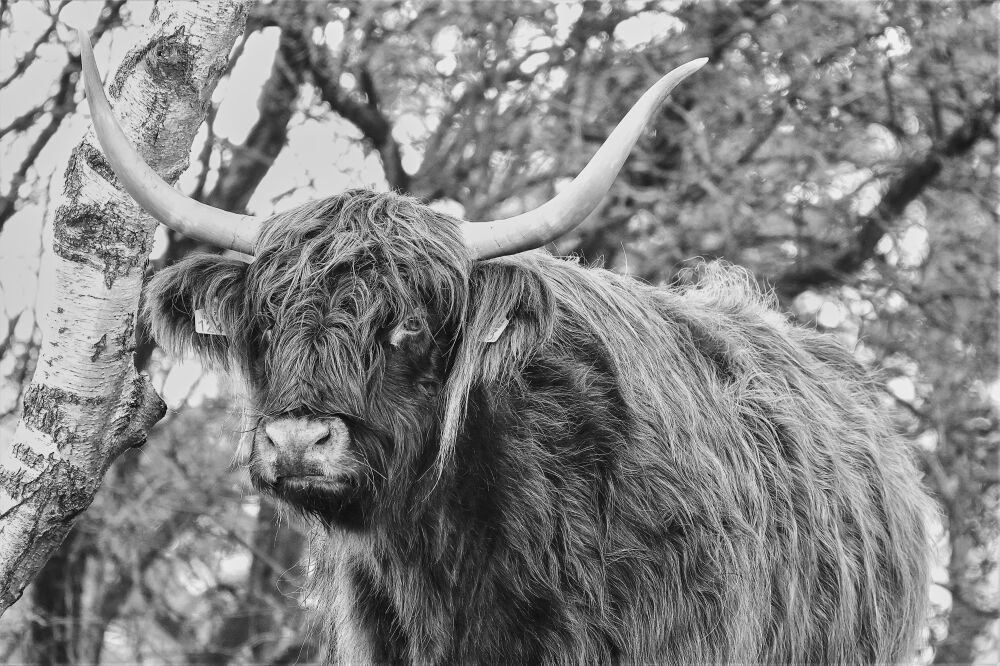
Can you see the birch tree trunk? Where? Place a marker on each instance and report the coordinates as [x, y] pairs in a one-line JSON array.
[[86, 403]]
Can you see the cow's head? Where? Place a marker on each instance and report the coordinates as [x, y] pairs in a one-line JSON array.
[[341, 329], [343, 322]]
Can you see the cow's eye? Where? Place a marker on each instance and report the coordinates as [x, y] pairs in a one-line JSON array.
[[428, 386], [407, 330]]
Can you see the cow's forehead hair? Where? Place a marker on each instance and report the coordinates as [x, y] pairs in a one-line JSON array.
[[327, 274], [354, 244]]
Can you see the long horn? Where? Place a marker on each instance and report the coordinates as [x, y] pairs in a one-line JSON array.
[[159, 199], [570, 207]]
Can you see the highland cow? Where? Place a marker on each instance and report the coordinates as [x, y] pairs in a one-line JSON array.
[[522, 459]]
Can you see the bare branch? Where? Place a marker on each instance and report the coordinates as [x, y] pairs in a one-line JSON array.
[[902, 190], [29, 56], [23, 121], [250, 162], [365, 115], [62, 106], [205, 155]]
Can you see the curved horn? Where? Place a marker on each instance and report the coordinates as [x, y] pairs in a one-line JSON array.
[[571, 206], [189, 217]]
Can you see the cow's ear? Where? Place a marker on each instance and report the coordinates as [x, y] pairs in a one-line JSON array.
[[198, 305]]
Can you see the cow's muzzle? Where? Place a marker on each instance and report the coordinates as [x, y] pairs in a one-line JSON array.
[[299, 448]]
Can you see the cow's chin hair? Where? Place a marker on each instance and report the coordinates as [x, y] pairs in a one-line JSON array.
[[335, 501]]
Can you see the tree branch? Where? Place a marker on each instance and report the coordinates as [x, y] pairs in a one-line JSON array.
[[29, 56], [250, 162], [902, 191], [62, 106], [365, 115]]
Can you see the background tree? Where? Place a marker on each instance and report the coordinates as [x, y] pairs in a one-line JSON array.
[[842, 151]]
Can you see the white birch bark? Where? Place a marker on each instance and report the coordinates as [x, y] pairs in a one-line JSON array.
[[86, 404]]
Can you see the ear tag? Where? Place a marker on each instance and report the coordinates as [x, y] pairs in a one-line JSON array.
[[495, 335], [205, 324]]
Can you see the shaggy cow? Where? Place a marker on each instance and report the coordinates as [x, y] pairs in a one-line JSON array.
[[527, 460]]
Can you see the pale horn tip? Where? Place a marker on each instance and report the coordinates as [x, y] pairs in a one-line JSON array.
[[83, 36], [689, 68], [568, 208]]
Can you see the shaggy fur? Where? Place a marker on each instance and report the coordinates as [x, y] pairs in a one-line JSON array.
[[628, 474]]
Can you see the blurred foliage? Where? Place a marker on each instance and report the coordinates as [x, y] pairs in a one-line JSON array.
[[845, 152]]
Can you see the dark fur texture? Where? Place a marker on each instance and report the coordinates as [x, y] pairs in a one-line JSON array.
[[628, 473]]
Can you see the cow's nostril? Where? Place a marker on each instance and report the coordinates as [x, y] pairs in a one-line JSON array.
[[297, 434]]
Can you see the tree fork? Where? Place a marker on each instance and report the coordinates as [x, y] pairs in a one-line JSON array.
[[86, 403]]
